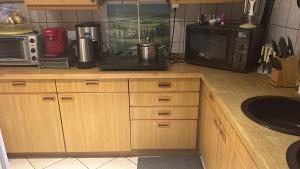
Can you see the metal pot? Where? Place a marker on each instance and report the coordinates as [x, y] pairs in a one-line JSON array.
[[147, 51]]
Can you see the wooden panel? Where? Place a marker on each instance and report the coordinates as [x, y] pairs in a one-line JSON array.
[[163, 134], [27, 86], [61, 2], [207, 94], [31, 123], [203, 1], [235, 139], [164, 85], [92, 85], [164, 113], [209, 135], [164, 99], [95, 122]]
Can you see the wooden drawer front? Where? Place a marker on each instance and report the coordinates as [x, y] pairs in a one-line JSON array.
[[164, 113], [164, 99], [27, 86], [92, 85], [163, 134], [164, 85]]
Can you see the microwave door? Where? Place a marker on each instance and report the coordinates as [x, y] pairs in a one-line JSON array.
[[14, 49]]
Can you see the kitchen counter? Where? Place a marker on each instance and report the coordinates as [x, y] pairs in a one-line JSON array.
[[230, 89]]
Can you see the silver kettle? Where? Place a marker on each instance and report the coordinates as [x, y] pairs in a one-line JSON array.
[[148, 51]]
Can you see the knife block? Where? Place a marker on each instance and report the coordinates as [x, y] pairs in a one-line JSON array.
[[288, 75]]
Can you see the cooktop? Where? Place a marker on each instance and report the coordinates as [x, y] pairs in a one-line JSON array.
[[131, 62]]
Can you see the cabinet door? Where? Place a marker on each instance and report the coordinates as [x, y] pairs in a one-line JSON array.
[[95, 122], [209, 135], [31, 123], [227, 157]]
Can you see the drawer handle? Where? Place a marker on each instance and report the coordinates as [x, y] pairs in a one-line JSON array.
[[48, 98], [164, 84], [216, 123], [19, 83], [164, 125], [222, 133], [211, 97], [164, 99], [66, 98], [164, 113], [92, 83]]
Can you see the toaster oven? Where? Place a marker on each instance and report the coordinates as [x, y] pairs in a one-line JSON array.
[[21, 49]]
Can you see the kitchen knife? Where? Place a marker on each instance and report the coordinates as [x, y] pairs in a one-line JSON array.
[[275, 47], [284, 49], [276, 64], [291, 47]]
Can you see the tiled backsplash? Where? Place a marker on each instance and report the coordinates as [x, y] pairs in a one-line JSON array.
[[285, 21], [186, 14]]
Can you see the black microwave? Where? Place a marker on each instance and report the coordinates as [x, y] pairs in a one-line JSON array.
[[226, 47]]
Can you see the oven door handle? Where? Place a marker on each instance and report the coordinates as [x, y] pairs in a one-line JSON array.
[[11, 38]]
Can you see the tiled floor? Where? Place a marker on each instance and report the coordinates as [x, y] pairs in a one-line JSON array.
[[74, 163]]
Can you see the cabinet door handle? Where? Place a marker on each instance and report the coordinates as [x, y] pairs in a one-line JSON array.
[[222, 133], [211, 97], [164, 84], [92, 83], [18, 83], [216, 123], [164, 99], [48, 98], [164, 113], [67, 98], [164, 125]]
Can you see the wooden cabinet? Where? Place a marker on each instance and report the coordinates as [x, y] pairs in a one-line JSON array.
[[164, 113], [30, 123], [62, 4], [203, 1], [217, 147], [95, 122]]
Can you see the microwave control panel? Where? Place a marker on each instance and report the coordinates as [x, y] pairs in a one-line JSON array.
[[240, 54]]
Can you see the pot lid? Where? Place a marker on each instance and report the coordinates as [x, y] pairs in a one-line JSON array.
[[148, 43]]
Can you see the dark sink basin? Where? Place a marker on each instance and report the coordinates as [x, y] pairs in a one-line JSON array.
[[293, 155], [275, 112]]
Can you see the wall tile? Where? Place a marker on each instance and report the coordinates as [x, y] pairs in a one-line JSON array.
[[179, 28], [271, 30], [292, 33], [274, 16], [39, 26], [237, 12], [53, 16], [192, 12], [180, 13], [22, 8], [104, 32], [208, 9], [69, 16], [69, 26], [294, 16], [283, 12], [279, 32], [175, 47], [84, 16], [38, 16], [55, 24], [100, 15], [224, 9], [5, 4]]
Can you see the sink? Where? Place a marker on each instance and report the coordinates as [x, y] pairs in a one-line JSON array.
[[274, 112], [293, 155]]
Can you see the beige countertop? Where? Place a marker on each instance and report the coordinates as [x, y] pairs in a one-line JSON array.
[[267, 147]]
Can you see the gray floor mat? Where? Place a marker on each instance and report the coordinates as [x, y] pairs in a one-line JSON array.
[[169, 163]]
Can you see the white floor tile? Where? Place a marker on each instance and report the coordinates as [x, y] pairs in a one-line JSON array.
[[119, 163], [40, 163], [133, 159], [68, 163], [93, 163], [19, 164]]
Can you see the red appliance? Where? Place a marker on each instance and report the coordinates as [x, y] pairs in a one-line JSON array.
[[56, 40]]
